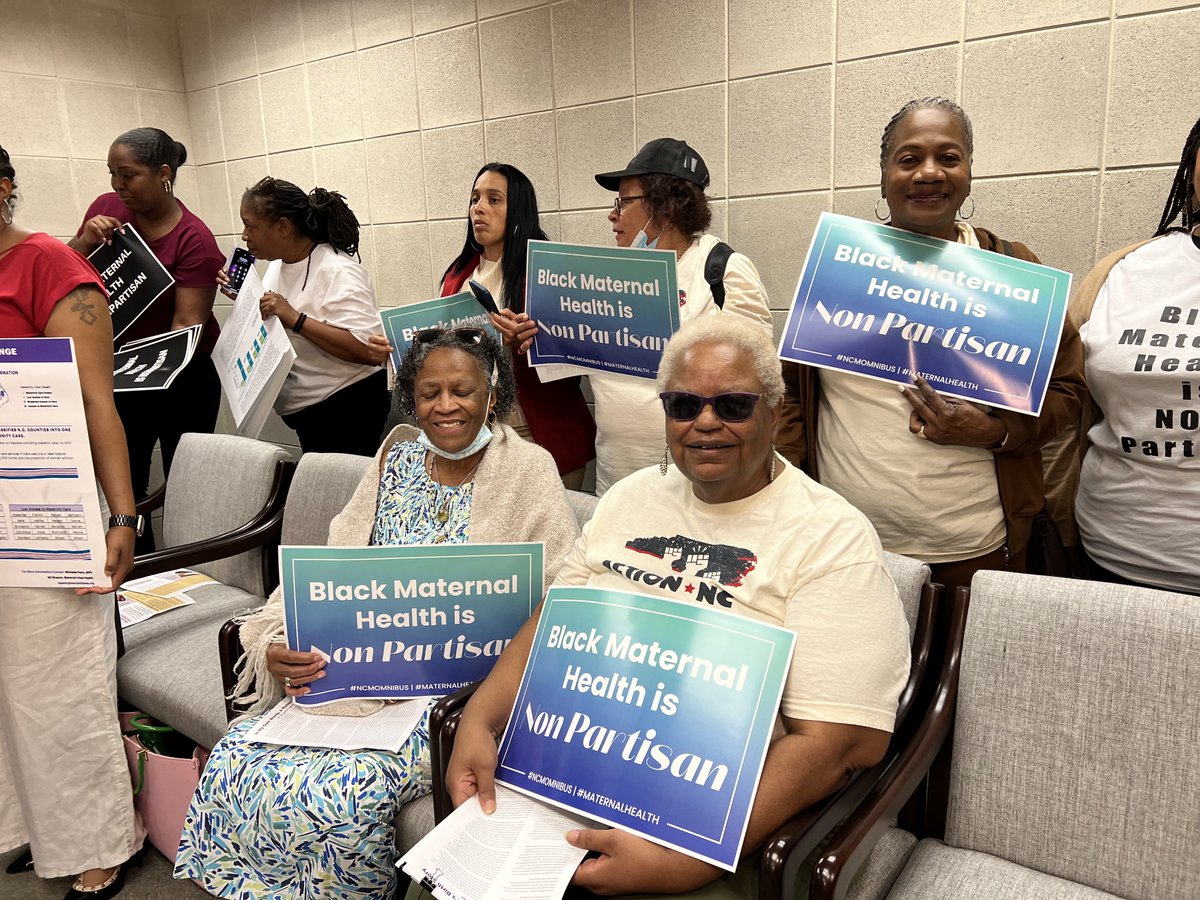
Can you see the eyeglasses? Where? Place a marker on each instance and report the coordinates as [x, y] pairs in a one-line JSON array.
[[734, 406], [620, 203], [467, 336]]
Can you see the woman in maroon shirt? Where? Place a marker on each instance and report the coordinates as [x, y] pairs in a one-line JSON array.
[[143, 164]]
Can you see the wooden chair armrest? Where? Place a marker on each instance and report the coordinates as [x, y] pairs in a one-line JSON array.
[[229, 648], [792, 843], [443, 725], [152, 501], [852, 842]]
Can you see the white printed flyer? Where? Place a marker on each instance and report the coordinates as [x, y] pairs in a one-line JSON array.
[[51, 534]]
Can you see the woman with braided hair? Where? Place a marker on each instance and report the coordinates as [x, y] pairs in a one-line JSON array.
[[143, 164], [1138, 312], [336, 395]]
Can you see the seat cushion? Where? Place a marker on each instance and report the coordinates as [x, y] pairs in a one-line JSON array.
[[938, 872], [414, 822], [176, 678], [883, 866], [213, 601]]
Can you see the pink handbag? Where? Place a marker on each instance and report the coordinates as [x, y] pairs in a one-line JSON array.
[[162, 789]]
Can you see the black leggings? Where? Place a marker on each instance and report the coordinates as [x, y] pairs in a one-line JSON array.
[[347, 421], [191, 403]]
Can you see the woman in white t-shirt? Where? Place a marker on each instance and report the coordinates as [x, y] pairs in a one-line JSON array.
[[1138, 312], [951, 483], [661, 204], [732, 525], [336, 395]]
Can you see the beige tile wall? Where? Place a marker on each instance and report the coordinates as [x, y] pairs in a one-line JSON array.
[[1080, 109]]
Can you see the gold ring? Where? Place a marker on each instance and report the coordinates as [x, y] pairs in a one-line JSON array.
[[921, 433]]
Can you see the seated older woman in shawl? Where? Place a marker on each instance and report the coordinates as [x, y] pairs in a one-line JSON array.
[[299, 821]]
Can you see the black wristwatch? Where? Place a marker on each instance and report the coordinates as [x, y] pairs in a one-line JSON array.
[[137, 523]]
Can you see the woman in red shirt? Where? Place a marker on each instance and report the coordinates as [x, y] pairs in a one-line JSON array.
[[74, 806]]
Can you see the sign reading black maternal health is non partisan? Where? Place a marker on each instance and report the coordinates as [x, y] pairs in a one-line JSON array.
[[889, 304], [414, 621], [648, 714], [459, 310], [132, 275], [609, 309]]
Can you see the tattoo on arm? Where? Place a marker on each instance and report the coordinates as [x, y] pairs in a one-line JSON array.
[[80, 304]]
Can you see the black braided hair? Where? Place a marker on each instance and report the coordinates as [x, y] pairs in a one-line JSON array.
[[1182, 198], [490, 355], [7, 171], [153, 147], [322, 216], [889, 131]]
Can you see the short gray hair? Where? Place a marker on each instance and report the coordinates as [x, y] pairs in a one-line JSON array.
[[731, 330]]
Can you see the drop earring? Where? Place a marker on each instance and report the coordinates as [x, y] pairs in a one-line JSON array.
[[662, 466]]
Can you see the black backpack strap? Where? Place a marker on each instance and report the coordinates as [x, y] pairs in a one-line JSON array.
[[714, 271]]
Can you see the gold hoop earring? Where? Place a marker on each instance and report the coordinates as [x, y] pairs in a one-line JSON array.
[[6, 212], [887, 212]]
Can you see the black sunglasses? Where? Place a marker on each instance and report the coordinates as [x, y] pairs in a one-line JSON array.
[[734, 406], [462, 335]]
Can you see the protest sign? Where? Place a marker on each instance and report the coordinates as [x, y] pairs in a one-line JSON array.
[[253, 357], [153, 364], [132, 275], [459, 310], [886, 303], [649, 714], [608, 309], [51, 534], [415, 621]]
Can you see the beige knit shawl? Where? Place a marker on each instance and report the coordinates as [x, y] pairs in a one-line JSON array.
[[517, 496]]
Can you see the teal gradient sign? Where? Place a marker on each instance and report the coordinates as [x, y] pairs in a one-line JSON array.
[[648, 714], [611, 309], [415, 621], [459, 310], [889, 304]]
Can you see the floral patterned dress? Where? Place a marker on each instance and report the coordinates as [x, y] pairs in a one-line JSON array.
[[304, 822]]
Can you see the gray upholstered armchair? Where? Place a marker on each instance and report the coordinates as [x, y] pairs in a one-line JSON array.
[[1075, 772]]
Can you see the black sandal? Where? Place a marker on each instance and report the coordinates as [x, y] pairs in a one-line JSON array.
[[22, 863]]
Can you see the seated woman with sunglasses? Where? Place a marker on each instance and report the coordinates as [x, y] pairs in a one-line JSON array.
[[814, 566], [279, 821]]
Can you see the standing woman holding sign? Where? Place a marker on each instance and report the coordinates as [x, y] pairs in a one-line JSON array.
[[64, 784], [951, 483], [336, 396], [661, 204], [143, 164], [502, 218]]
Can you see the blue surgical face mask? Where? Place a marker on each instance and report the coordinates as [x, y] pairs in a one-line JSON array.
[[640, 240], [480, 441]]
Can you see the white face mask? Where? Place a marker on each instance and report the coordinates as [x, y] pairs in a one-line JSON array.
[[481, 440], [640, 240]]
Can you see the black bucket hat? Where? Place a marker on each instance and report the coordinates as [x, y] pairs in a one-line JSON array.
[[663, 156]]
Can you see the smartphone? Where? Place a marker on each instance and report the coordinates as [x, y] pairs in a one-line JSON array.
[[484, 296], [239, 264]]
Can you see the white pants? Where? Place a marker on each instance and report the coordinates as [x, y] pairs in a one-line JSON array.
[[64, 782]]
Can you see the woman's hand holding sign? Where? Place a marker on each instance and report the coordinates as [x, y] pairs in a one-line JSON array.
[[516, 328], [947, 420], [295, 668]]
